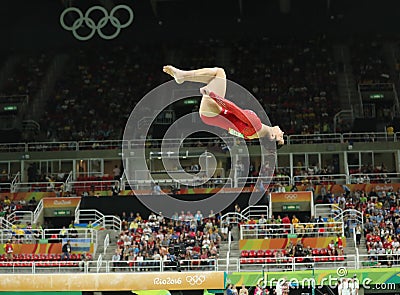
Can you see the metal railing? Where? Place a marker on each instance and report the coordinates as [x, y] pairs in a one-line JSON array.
[[51, 146], [191, 142], [178, 183], [321, 179], [102, 145], [98, 218], [106, 243], [38, 211], [53, 235], [315, 138], [27, 235], [374, 177], [269, 231], [233, 218], [13, 147], [21, 217], [369, 137], [251, 181], [5, 187], [77, 214], [229, 250], [4, 223], [87, 215], [16, 179], [352, 215], [37, 186], [201, 265], [286, 263], [99, 263], [329, 209], [255, 212], [86, 175], [93, 185], [111, 222], [378, 260]]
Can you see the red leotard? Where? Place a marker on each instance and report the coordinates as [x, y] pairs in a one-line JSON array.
[[245, 122]]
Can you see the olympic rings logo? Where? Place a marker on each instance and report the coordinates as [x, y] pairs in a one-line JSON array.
[[195, 280], [291, 196], [90, 23]]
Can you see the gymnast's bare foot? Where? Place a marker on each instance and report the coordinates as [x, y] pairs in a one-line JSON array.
[[177, 74]]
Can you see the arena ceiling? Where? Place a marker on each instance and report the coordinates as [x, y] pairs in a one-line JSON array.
[[25, 23]]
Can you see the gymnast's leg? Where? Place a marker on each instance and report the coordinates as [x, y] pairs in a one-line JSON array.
[[215, 79]]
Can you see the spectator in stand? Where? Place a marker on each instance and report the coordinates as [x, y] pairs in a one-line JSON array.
[[66, 251], [198, 217], [295, 220], [115, 189], [285, 219], [251, 223], [63, 234], [83, 262], [9, 250], [243, 291], [116, 172], [358, 231], [157, 189], [262, 220], [116, 258]]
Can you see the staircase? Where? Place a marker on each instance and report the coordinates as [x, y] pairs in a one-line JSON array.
[[234, 255], [225, 263], [362, 250], [347, 85], [350, 250], [101, 236], [390, 56], [325, 210], [8, 69]]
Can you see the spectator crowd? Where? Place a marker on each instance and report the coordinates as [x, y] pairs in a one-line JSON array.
[[173, 242]]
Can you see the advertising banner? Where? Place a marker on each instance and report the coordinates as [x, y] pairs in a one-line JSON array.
[[291, 201], [113, 281], [367, 187], [27, 196], [51, 248], [257, 244], [61, 202], [79, 245], [293, 197]]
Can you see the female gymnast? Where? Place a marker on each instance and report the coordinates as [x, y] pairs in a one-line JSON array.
[[215, 110]]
